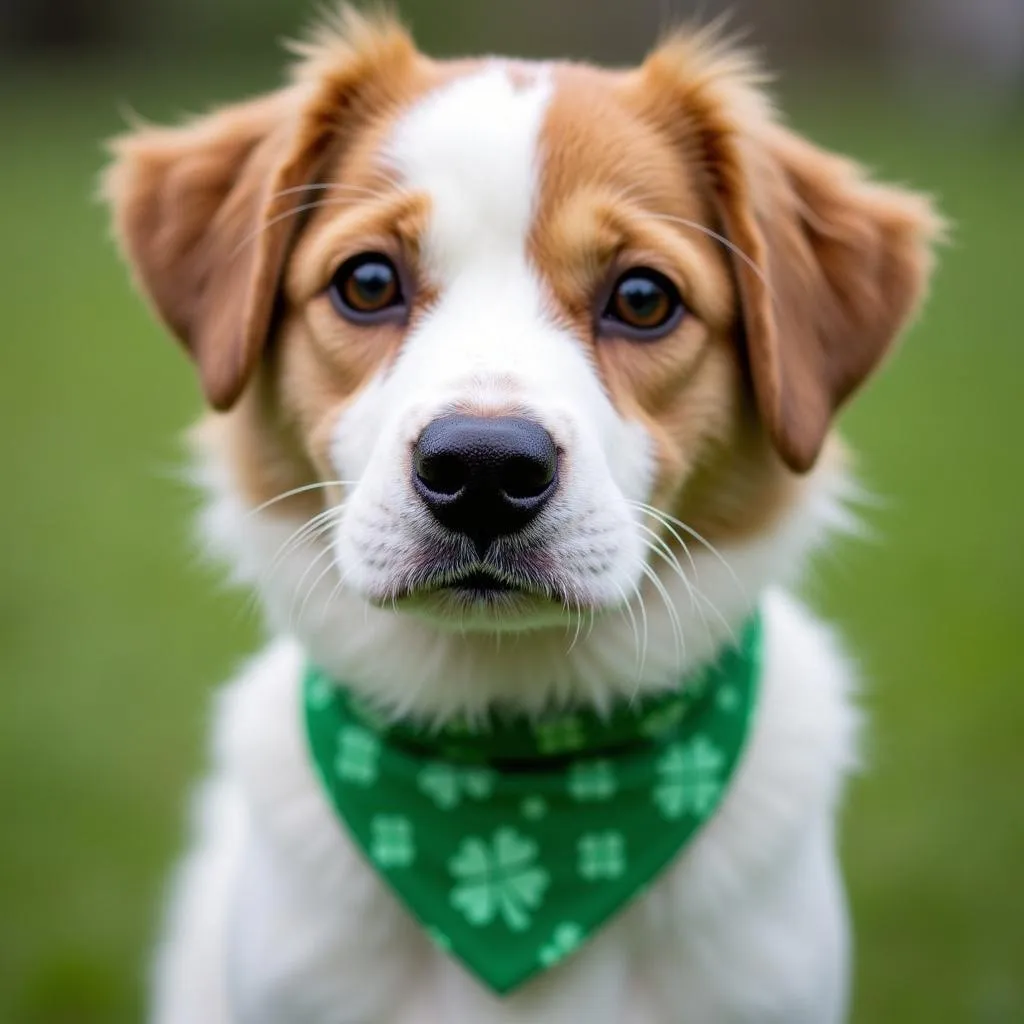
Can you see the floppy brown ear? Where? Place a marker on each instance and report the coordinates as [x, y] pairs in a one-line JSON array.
[[837, 267], [205, 213], [185, 201], [830, 266]]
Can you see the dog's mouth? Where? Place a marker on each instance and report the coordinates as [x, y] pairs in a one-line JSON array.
[[479, 587], [481, 584], [508, 588]]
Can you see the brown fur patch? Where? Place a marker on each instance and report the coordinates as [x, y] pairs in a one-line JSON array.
[[616, 193], [832, 265], [207, 212], [639, 168]]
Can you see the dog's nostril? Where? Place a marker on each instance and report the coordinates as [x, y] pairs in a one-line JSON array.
[[528, 476], [444, 473]]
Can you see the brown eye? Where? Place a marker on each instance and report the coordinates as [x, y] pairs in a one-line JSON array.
[[643, 304], [366, 289]]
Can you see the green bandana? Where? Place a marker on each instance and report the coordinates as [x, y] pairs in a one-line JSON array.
[[513, 843]]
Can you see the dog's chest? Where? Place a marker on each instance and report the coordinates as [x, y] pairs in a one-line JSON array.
[[368, 962], [747, 925]]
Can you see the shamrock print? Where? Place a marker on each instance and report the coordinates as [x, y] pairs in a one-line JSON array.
[[358, 756], [602, 855], [499, 879], [565, 940], [391, 842], [690, 776], [533, 808], [664, 719], [367, 714], [446, 784], [559, 735], [319, 693], [592, 780], [728, 699]]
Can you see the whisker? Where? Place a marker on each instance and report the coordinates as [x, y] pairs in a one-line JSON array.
[[730, 245], [300, 490], [659, 517], [646, 633], [643, 661], [677, 628], [666, 518], [335, 594], [627, 609], [578, 612], [308, 532], [316, 583], [301, 208], [310, 529], [669, 555], [335, 185], [322, 528], [693, 586]]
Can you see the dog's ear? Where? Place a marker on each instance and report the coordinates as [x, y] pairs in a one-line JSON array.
[[830, 266], [193, 210], [205, 213]]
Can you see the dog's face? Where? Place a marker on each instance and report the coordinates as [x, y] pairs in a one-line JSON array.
[[497, 337], [526, 324]]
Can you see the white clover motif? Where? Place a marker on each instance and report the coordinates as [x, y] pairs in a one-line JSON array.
[[565, 939], [358, 756], [691, 778], [392, 843], [602, 855], [559, 735], [447, 784], [592, 780], [500, 879]]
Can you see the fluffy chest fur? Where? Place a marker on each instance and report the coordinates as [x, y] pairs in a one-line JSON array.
[[749, 925], [522, 379]]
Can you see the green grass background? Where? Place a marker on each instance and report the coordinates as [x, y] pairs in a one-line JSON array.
[[112, 637]]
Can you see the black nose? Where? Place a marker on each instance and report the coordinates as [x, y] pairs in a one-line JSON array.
[[485, 477]]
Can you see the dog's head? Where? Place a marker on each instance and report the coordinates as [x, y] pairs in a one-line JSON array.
[[522, 324]]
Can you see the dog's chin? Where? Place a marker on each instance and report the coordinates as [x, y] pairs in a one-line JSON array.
[[479, 600]]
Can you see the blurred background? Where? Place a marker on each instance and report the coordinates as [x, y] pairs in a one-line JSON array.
[[112, 636]]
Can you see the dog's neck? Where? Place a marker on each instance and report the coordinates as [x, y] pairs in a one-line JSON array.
[[409, 665]]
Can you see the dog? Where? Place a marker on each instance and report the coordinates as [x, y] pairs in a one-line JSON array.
[[521, 380]]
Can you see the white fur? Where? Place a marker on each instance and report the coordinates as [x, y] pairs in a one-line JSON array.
[[488, 346], [276, 918]]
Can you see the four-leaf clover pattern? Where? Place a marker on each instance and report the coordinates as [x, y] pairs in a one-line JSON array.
[[366, 713], [533, 808], [545, 858], [592, 780], [559, 735], [691, 778], [565, 939], [663, 720], [358, 756], [446, 784], [602, 855], [500, 879], [320, 692], [392, 844]]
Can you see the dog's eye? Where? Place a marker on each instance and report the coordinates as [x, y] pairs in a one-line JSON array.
[[643, 304], [366, 288]]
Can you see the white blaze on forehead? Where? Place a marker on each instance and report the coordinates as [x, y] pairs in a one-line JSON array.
[[489, 340], [471, 146], [488, 343]]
